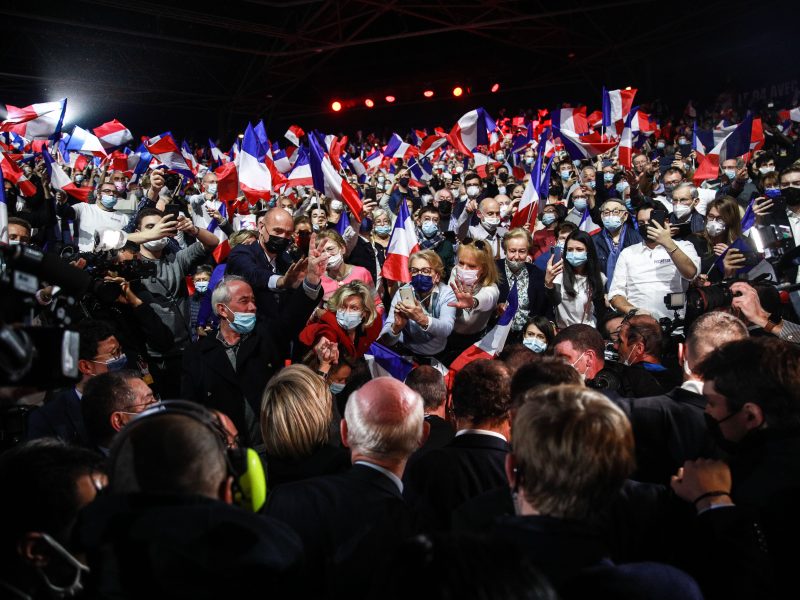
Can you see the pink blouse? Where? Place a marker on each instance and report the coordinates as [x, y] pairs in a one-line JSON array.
[[329, 286]]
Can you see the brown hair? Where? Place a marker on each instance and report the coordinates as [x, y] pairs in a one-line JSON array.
[[728, 209]]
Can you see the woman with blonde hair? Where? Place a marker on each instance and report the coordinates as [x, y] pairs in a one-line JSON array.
[[339, 273], [297, 418]]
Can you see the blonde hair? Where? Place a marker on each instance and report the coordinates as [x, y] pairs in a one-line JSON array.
[[330, 234], [518, 233], [241, 236], [355, 288], [296, 412], [481, 252], [433, 259]]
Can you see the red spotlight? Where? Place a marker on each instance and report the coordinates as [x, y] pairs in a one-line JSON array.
[[428, 93], [457, 91], [390, 99], [336, 106], [495, 88], [369, 103]]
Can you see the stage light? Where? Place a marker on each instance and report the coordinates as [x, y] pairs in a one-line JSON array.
[[390, 99], [457, 91], [369, 103], [428, 93], [495, 88], [336, 106]]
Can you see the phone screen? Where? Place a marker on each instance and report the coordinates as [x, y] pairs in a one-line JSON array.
[[659, 216], [556, 252]]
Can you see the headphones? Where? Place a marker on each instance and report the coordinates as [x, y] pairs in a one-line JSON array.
[[243, 464]]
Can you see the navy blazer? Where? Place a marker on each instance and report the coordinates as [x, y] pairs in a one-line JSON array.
[[250, 261], [60, 418], [603, 250], [537, 300]]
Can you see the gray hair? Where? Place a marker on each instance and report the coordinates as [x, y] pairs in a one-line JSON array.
[[221, 293], [687, 186]]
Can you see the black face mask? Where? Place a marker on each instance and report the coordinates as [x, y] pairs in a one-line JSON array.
[[791, 195], [503, 176], [445, 208], [403, 181], [276, 244], [715, 432]]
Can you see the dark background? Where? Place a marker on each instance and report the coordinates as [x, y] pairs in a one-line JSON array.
[[170, 66]]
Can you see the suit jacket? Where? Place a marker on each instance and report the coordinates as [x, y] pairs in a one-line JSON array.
[[537, 300], [348, 524], [209, 378], [250, 261], [441, 434], [444, 479], [59, 418]]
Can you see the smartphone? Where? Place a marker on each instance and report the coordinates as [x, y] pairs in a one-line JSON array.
[[659, 216], [751, 258], [684, 230], [555, 252], [370, 194], [407, 295], [172, 209], [303, 241], [685, 150]]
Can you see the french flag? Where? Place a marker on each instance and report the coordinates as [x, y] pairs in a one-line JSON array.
[[164, 149], [421, 170], [217, 155], [383, 362], [293, 134], [570, 119], [583, 146], [61, 181], [735, 144], [13, 173], [490, 345], [432, 143], [83, 141], [37, 121], [3, 213], [255, 178], [397, 148], [113, 134], [138, 162], [188, 156], [790, 115], [373, 161], [402, 244], [616, 105], [301, 173], [626, 140], [282, 162], [13, 141], [587, 224], [262, 139], [530, 205], [327, 179], [471, 130], [227, 182]]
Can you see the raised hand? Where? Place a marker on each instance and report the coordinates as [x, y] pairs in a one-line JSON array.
[[553, 269], [464, 298], [294, 274], [317, 260]]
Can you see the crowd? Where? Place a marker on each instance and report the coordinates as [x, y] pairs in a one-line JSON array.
[[600, 399]]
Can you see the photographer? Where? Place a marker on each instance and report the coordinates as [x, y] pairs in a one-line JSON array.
[[168, 288], [790, 194], [747, 303]]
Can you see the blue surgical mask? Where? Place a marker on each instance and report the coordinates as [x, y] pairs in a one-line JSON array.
[[564, 175], [242, 322], [592, 184], [608, 177], [108, 201], [579, 204], [348, 320], [535, 345], [730, 173], [201, 286], [576, 259], [622, 186], [383, 229], [660, 145], [528, 160], [612, 223], [628, 203], [422, 283], [336, 388], [115, 364], [548, 218], [211, 188], [429, 228], [772, 192]]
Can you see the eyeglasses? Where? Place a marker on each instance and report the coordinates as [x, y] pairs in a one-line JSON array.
[[151, 400], [684, 201], [423, 270], [617, 212], [114, 355], [715, 219]]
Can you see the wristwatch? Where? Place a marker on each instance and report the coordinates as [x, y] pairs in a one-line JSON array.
[[773, 321]]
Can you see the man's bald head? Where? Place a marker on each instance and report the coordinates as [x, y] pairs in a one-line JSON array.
[[384, 419], [489, 205], [277, 222]]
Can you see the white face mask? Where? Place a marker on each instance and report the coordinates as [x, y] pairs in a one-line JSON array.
[[473, 191], [337, 205], [156, 245], [467, 276], [503, 211], [715, 228], [335, 261], [211, 188], [491, 221], [583, 375], [681, 210]]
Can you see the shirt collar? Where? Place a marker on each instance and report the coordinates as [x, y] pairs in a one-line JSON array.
[[395, 479], [481, 432], [692, 385]]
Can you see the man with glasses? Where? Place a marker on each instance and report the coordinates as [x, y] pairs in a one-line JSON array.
[[685, 198], [616, 235], [99, 352], [111, 401]]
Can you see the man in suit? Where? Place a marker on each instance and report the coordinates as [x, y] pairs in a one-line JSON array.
[[429, 383], [472, 463], [267, 266], [98, 352], [348, 522], [671, 429], [489, 228], [228, 371]]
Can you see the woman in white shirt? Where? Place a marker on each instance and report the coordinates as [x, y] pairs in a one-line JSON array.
[[474, 282], [575, 285]]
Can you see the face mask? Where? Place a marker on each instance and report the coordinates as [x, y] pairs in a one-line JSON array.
[[592, 184], [211, 188], [668, 188], [383, 230], [772, 192], [765, 170], [387, 187], [548, 219], [660, 145], [108, 201], [622, 186], [528, 160], [156, 245], [13, 242], [403, 181], [515, 265], [78, 178], [503, 176], [348, 320], [473, 191], [445, 208], [714, 430], [681, 210], [682, 141], [459, 170], [120, 185], [467, 276], [337, 205], [335, 261], [535, 345], [715, 228], [504, 211], [612, 223], [628, 203], [608, 177], [491, 222], [500, 156], [576, 259], [564, 175], [276, 244], [381, 179], [115, 364], [336, 388], [579, 204], [627, 361], [422, 283], [315, 227], [729, 173], [201, 286], [791, 195], [583, 375], [429, 228], [242, 322], [501, 189]]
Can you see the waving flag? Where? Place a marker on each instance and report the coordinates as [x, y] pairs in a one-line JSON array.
[[113, 134], [373, 161], [421, 169], [293, 134], [490, 345], [617, 105], [262, 140], [626, 141], [383, 362], [790, 115], [327, 179], [736, 143], [83, 141], [432, 143], [164, 149], [570, 119], [583, 146], [301, 172], [532, 195], [587, 224], [188, 156], [61, 181], [279, 158], [13, 173], [471, 130], [217, 155], [138, 162], [397, 148], [37, 121], [254, 176], [402, 244], [227, 182]]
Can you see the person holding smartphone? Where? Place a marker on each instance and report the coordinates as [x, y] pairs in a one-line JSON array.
[[657, 266]]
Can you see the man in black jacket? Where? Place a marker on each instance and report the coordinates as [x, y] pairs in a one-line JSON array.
[[429, 383]]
